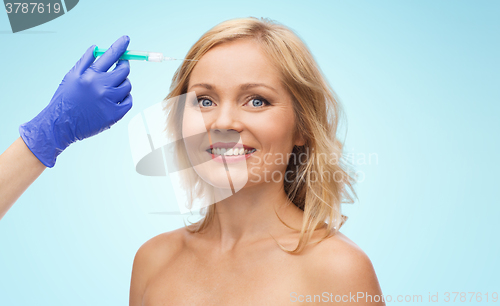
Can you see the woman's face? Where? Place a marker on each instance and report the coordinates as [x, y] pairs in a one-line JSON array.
[[243, 108]]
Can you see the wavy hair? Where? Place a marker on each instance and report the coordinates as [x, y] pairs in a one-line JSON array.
[[318, 185]]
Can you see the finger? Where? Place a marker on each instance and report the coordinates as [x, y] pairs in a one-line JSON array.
[[112, 54], [120, 73], [85, 61], [123, 107], [122, 90]]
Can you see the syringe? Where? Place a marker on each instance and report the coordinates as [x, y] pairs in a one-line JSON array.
[[140, 55]]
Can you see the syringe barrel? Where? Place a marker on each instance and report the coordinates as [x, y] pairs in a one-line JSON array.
[[127, 55]]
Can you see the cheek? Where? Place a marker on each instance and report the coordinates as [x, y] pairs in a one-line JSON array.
[[193, 123], [275, 131]]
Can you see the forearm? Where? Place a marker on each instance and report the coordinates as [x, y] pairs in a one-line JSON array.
[[18, 169]]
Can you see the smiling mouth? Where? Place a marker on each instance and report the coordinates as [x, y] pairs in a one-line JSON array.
[[229, 149], [230, 152]]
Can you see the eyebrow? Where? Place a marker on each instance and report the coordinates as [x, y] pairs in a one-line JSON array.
[[242, 87]]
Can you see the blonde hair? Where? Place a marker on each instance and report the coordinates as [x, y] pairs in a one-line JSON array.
[[317, 113]]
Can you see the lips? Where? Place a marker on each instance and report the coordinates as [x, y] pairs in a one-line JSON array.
[[228, 145]]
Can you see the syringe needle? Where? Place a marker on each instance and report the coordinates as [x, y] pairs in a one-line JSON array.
[[178, 59]]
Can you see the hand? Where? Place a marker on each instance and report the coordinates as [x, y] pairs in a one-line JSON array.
[[88, 101]]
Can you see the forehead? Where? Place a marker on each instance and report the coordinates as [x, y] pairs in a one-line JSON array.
[[234, 63]]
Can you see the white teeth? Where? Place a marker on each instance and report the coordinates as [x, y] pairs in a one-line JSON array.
[[231, 151]]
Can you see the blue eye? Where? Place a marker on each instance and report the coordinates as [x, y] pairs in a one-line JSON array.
[[257, 102], [205, 102]]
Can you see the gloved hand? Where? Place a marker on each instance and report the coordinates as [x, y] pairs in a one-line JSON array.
[[88, 101]]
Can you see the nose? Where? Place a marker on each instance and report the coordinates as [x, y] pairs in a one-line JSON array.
[[225, 124], [225, 119]]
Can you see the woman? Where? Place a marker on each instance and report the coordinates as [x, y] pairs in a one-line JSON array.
[[259, 246]]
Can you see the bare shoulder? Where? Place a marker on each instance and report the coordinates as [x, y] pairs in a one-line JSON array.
[[340, 253], [339, 266], [158, 248], [151, 257]]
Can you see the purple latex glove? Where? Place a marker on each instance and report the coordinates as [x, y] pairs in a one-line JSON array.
[[88, 101]]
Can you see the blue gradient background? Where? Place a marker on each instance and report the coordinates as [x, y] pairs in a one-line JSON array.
[[419, 81]]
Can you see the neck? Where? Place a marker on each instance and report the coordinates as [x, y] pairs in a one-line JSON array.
[[251, 215]]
